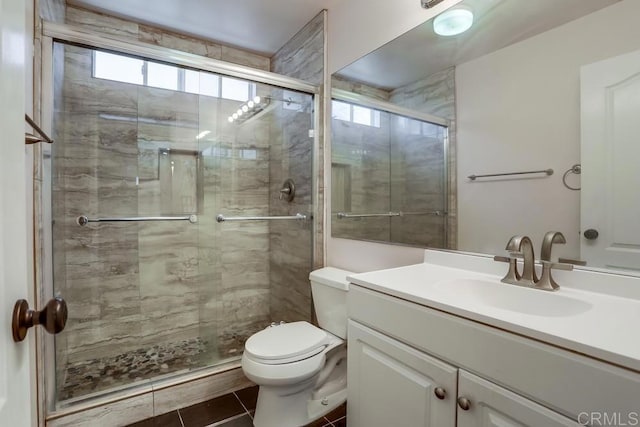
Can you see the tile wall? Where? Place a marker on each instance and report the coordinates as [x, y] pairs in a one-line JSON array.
[[292, 245]]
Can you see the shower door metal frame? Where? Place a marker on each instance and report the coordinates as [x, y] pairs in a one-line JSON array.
[[80, 36], [366, 101], [71, 34]]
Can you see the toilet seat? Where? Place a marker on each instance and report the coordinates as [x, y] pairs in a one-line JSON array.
[[287, 343]]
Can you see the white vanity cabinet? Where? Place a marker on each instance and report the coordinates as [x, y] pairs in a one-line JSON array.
[[392, 384], [401, 352]]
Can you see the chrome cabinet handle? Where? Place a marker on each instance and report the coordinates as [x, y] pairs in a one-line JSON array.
[[440, 393], [53, 317], [464, 403]]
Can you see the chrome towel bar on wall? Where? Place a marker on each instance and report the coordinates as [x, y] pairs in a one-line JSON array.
[[548, 172]]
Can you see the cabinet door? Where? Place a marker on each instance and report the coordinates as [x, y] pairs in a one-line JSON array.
[[392, 384], [494, 406]]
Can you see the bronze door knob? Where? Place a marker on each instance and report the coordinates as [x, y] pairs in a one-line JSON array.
[[53, 317]]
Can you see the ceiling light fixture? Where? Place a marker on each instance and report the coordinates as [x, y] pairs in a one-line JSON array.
[[249, 109], [453, 22]]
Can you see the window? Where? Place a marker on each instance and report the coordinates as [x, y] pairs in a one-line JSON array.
[[118, 67], [355, 113], [341, 111], [162, 76], [126, 69], [238, 90]]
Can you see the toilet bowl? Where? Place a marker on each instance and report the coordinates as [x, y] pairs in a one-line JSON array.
[[300, 368]]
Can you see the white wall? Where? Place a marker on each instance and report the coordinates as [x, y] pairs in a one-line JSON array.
[[357, 27], [519, 109]]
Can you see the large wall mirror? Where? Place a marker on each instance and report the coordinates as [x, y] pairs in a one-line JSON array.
[[527, 122]]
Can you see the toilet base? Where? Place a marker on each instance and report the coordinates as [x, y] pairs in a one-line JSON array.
[[279, 407]]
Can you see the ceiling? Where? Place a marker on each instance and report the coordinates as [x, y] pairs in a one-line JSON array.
[[498, 23], [261, 26]]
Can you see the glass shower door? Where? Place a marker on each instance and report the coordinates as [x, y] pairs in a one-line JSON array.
[[159, 287]]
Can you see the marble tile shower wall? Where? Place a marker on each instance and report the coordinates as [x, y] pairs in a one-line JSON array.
[[291, 256], [110, 25], [132, 286], [435, 95], [338, 82], [291, 242]]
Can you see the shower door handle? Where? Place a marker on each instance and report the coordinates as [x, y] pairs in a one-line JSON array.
[[53, 317]]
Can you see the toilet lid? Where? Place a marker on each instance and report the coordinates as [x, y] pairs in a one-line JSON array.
[[287, 341]]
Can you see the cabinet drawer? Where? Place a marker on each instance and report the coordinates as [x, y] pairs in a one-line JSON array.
[[566, 382]]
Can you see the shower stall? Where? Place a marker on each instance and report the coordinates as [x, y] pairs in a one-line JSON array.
[[180, 205]]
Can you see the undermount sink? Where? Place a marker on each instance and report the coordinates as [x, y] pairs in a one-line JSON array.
[[513, 298]]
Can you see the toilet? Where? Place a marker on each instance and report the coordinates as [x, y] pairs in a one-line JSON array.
[[300, 368]]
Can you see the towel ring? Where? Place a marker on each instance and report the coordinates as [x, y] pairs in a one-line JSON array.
[[576, 169]]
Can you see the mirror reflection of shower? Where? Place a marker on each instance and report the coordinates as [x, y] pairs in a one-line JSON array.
[[389, 173]]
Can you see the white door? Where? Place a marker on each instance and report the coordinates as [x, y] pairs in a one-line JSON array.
[[392, 384], [610, 201], [492, 406], [15, 383]]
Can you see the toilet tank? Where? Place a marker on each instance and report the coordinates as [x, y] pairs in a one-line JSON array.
[[329, 288]]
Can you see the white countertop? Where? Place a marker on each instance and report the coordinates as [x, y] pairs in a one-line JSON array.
[[597, 324]]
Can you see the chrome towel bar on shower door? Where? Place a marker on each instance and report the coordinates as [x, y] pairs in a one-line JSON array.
[[342, 215], [84, 220], [222, 218]]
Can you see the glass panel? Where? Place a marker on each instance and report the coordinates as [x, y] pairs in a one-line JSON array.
[[235, 89], [418, 183], [118, 67], [151, 299], [381, 163], [162, 76], [341, 110], [191, 81], [361, 115], [361, 185], [209, 84]]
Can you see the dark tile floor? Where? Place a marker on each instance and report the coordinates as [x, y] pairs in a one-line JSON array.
[[231, 410]]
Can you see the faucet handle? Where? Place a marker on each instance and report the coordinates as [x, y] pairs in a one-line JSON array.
[[546, 282], [557, 265], [513, 275]]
